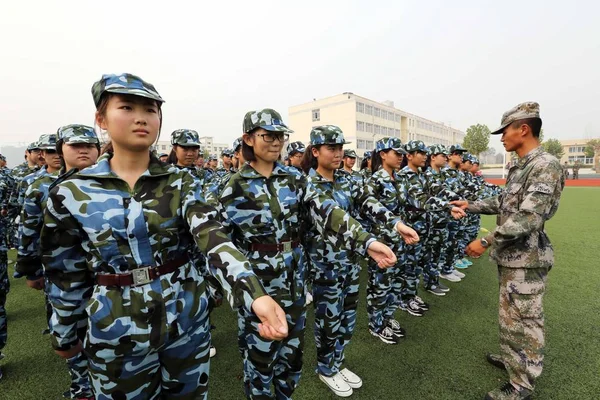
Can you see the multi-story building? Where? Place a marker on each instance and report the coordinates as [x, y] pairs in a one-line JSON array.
[[574, 152], [206, 144], [364, 121]]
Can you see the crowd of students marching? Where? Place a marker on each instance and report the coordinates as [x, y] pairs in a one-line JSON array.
[[133, 249]]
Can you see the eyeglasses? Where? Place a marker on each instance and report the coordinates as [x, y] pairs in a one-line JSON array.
[[271, 136]]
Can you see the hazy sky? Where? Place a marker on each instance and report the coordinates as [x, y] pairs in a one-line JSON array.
[[457, 62]]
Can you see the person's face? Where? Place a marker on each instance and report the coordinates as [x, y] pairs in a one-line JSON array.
[[2, 163], [186, 155], [474, 168], [52, 159], [391, 159], [163, 158], [466, 166], [439, 160], [369, 163], [33, 157], [512, 138], [235, 162], [456, 158], [349, 162], [212, 164], [200, 162], [79, 155], [296, 159], [417, 159], [329, 156], [226, 161], [266, 145], [132, 122]]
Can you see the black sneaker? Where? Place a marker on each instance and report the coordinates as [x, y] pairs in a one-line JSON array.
[[442, 287], [508, 392], [46, 331], [435, 290], [495, 360], [422, 305], [396, 328], [386, 335], [412, 307]]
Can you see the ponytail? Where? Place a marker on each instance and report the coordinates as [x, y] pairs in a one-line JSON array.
[[309, 160], [172, 159]]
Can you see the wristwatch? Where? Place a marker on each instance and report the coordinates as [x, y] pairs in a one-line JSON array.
[[485, 243]]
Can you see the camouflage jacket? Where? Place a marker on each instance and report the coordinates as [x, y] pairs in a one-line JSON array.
[[221, 172], [437, 187], [256, 209], [19, 173], [7, 183], [95, 223], [392, 194], [356, 200], [366, 174], [29, 262], [356, 176], [531, 198]]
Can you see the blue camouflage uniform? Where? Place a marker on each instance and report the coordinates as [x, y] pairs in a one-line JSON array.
[[5, 187], [263, 216]]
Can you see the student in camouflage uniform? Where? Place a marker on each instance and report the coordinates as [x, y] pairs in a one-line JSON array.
[[336, 281], [115, 247], [261, 207], [6, 228], [521, 249], [472, 192], [365, 166], [419, 202], [5, 188], [227, 167], [348, 165], [76, 146], [295, 152], [237, 152]]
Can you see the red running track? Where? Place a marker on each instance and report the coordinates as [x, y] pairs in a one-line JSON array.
[[570, 182]]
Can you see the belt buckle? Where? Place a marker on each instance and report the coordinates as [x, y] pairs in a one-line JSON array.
[[141, 276], [287, 247]]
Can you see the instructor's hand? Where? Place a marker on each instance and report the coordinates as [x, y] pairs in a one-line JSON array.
[[273, 324], [382, 254], [37, 284], [72, 352], [460, 204], [475, 249]]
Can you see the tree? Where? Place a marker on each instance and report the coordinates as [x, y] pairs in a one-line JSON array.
[[477, 139], [554, 147], [592, 149]]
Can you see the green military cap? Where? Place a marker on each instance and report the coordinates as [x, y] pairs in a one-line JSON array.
[[416, 145], [267, 119], [529, 109], [327, 134], [350, 153], [33, 146], [47, 142], [185, 138], [124, 84], [76, 133], [387, 143]]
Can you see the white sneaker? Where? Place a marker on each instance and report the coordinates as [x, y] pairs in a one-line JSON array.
[[212, 352], [337, 384], [450, 277], [351, 378], [458, 273], [309, 298]]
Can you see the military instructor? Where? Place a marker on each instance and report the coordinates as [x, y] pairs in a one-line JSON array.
[[521, 248]]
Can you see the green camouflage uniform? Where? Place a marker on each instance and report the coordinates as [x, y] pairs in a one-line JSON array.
[[523, 252]]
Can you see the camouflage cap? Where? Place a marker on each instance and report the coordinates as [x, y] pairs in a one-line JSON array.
[[47, 142], [475, 160], [212, 157], [295, 147], [367, 154], [350, 153], [2, 157], [529, 109], [387, 143], [237, 144], [467, 157], [267, 119], [416, 145], [33, 146], [185, 138], [327, 134], [124, 84], [163, 155], [436, 149], [76, 133], [227, 152], [457, 148]]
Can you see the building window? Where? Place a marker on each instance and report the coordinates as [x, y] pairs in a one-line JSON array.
[[377, 112], [576, 149], [360, 144], [397, 132], [368, 109], [377, 130], [384, 131], [369, 127], [360, 126], [383, 114], [360, 107], [397, 117], [391, 116], [369, 144], [316, 115]]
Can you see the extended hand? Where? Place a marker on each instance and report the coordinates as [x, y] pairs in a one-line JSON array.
[[72, 352], [37, 284], [460, 204], [409, 235], [382, 254], [458, 213], [475, 249], [273, 324]]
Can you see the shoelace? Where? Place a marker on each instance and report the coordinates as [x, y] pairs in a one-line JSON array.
[[508, 388], [394, 324]]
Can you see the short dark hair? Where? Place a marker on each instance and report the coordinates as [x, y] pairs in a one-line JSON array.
[[535, 124], [248, 151]]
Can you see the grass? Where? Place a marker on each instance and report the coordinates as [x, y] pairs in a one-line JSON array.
[[442, 357]]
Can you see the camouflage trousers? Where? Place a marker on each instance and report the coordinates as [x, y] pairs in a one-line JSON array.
[[150, 341], [521, 318], [79, 373], [462, 238], [4, 289], [269, 362], [433, 257], [414, 261], [335, 297], [384, 290], [472, 228], [448, 250]]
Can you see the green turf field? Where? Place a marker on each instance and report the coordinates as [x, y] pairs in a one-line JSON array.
[[442, 357]]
